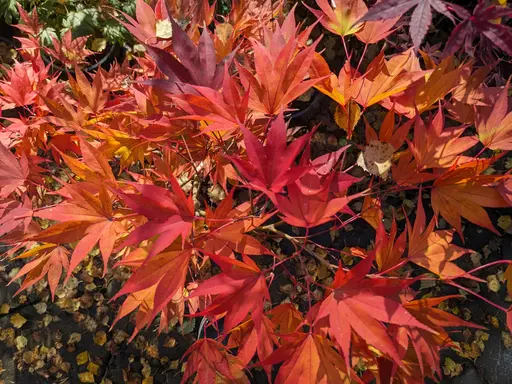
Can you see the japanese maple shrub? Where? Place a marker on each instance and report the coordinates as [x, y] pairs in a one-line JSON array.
[[183, 166]]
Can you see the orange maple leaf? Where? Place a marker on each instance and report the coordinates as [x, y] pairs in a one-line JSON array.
[[223, 111], [87, 218], [286, 318], [463, 191], [431, 249], [405, 173], [427, 345], [389, 248], [308, 211], [423, 94], [434, 146], [280, 71], [227, 229], [49, 259], [494, 124], [91, 97], [213, 364], [94, 168], [374, 31], [385, 78], [309, 358]]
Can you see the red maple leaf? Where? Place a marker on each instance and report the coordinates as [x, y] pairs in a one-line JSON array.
[[194, 65], [389, 249], [314, 181], [13, 173], [164, 274], [250, 339], [224, 110], [421, 17], [269, 167], [240, 288], [15, 218], [359, 304], [481, 22], [69, 51], [169, 214], [146, 26], [31, 23], [228, 227], [311, 210]]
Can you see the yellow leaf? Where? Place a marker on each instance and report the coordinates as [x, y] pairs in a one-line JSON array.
[[82, 358], [86, 377], [99, 44], [493, 283], [451, 368], [17, 320], [346, 117], [21, 342], [100, 338], [4, 309], [504, 222], [93, 368]]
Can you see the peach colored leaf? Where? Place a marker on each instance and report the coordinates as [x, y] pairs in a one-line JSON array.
[[431, 249], [463, 191], [341, 17], [494, 124], [309, 358]]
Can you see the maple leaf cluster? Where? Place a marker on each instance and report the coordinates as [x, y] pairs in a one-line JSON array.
[[185, 157]]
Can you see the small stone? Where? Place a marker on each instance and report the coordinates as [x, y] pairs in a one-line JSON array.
[[41, 308]]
